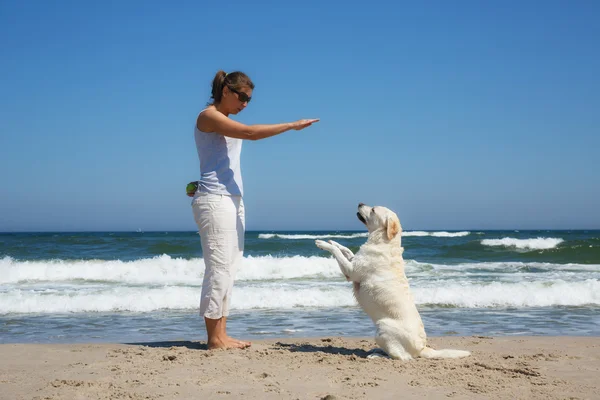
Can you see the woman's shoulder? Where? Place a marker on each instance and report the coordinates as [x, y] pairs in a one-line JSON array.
[[204, 118], [207, 111]]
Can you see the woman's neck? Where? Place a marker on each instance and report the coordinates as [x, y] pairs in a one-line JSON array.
[[220, 109]]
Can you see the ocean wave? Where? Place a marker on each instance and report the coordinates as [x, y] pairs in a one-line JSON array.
[[161, 270], [521, 294], [306, 236], [165, 270], [504, 266], [436, 234], [136, 299], [539, 243], [357, 235], [167, 298]]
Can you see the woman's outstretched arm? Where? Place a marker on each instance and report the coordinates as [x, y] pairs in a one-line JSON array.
[[214, 121]]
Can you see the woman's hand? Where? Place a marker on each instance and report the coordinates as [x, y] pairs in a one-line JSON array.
[[303, 123]]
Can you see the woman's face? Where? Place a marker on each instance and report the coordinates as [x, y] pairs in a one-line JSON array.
[[236, 100]]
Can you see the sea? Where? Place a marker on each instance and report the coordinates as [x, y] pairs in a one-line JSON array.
[[136, 287]]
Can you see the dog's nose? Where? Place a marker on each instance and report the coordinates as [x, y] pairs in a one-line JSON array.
[[361, 204]]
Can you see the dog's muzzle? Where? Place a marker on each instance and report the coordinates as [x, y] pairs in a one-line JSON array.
[[360, 217]]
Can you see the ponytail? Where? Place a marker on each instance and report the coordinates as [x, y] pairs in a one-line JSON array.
[[217, 86]]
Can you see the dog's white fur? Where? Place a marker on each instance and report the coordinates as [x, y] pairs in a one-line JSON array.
[[381, 287]]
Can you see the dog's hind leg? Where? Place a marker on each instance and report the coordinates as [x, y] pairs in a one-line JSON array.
[[389, 338], [377, 353]]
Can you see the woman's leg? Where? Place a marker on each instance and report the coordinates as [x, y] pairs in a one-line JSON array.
[[237, 256], [217, 219]]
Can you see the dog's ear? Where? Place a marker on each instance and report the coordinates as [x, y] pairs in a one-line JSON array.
[[393, 227]]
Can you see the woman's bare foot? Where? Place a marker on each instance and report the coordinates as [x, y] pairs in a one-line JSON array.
[[216, 330], [245, 344], [227, 343]]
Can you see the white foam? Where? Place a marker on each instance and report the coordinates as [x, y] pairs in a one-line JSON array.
[[539, 243], [506, 266], [164, 270], [357, 235], [268, 267], [436, 234], [107, 300], [168, 298], [522, 294], [305, 236], [161, 270], [288, 297]]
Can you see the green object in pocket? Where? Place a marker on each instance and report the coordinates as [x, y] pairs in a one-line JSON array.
[[191, 189]]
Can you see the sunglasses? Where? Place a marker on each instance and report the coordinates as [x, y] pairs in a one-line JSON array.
[[243, 97]]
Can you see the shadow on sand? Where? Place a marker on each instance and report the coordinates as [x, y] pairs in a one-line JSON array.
[[292, 347], [329, 349], [173, 343]]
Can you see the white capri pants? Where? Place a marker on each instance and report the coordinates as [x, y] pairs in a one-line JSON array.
[[221, 223]]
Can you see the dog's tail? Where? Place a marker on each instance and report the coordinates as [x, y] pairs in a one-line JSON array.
[[428, 352]]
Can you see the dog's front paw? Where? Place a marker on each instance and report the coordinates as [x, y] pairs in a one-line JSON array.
[[323, 245]]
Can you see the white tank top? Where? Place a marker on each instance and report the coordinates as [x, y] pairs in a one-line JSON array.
[[219, 155]]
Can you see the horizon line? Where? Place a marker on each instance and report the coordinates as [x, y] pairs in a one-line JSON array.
[[309, 230]]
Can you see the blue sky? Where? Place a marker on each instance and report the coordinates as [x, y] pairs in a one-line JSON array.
[[457, 115]]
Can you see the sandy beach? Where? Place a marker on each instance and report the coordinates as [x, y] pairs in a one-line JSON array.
[[316, 368]]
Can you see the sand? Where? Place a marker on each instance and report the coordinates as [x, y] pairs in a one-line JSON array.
[[316, 368]]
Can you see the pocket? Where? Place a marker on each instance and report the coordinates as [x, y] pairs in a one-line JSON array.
[[208, 201], [204, 206]]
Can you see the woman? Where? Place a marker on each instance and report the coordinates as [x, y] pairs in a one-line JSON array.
[[217, 205]]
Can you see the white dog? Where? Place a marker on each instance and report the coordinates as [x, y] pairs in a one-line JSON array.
[[381, 287]]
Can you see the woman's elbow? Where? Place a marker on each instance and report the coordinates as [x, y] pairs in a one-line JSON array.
[[250, 133]]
